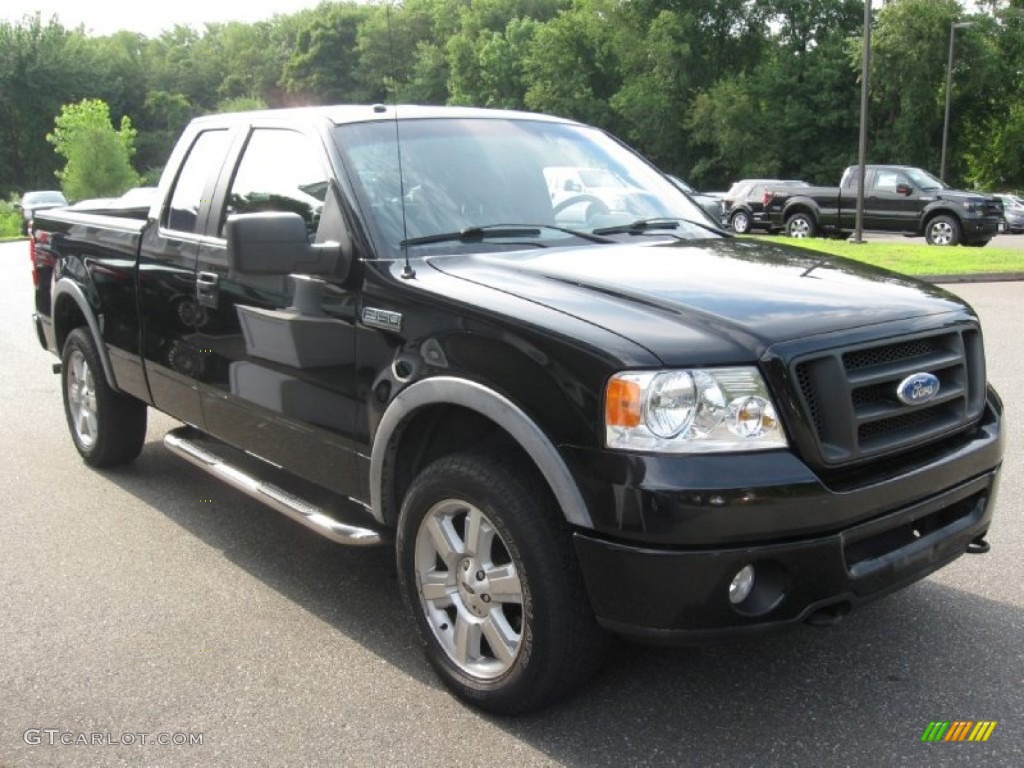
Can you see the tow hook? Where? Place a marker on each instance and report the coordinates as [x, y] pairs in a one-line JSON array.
[[979, 546]]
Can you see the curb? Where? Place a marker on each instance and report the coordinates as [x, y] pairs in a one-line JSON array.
[[973, 277]]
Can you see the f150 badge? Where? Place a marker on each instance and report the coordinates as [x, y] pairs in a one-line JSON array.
[[382, 318], [918, 389]]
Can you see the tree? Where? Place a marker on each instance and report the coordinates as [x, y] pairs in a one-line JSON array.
[[323, 68], [909, 51], [98, 157], [730, 119], [571, 67], [41, 67]]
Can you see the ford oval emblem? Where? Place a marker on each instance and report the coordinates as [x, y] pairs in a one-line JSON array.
[[918, 389]]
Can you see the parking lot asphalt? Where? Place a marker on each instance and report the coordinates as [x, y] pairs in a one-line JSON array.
[[155, 600]]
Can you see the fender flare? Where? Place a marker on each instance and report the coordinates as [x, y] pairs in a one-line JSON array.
[[494, 406], [940, 209], [67, 286]]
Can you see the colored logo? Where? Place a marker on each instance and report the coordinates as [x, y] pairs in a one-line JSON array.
[[959, 730], [918, 388]]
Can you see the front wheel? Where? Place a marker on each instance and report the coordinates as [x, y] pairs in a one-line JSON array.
[[740, 222], [488, 569], [942, 230], [801, 225], [108, 428]]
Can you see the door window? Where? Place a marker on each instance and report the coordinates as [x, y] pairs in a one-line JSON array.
[[886, 181], [280, 170], [207, 152]]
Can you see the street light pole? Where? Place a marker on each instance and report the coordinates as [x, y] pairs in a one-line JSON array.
[[862, 149], [949, 90]]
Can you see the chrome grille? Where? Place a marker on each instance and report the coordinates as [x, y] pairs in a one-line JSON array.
[[849, 395]]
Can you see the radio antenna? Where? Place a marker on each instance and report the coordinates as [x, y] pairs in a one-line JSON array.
[[407, 271]]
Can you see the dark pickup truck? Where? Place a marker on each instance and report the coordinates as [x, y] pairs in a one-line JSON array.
[[897, 198], [601, 415]]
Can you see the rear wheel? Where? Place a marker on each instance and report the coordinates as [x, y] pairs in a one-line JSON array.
[[108, 428], [801, 225], [942, 230], [487, 566]]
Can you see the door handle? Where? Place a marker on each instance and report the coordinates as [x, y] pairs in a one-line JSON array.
[[207, 289]]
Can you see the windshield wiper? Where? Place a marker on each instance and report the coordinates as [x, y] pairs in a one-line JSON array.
[[594, 237], [642, 226], [470, 234], [473, 234], [638, 227]]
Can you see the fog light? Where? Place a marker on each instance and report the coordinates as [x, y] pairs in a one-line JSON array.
[[741, 585]]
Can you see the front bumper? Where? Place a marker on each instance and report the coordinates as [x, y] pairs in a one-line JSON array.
[[980, 228], [681, 596], [662, 571]]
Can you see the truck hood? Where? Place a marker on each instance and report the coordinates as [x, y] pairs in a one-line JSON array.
[[704, 302], [959, 196]]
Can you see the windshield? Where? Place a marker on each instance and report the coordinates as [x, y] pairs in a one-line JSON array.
[[924, 180], [473, 173]]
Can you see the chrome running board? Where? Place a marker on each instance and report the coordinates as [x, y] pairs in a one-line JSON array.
[[210, 455]]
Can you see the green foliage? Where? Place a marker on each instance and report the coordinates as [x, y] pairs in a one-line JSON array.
[[98, 158], [909, 51], [241, 104], [730, 117], [324, 67], [41, 67], [712, 90], [572, 65], [10, 219], [917, 258], [996, 159]]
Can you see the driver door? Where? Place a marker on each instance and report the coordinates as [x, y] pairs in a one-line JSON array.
[[278, 374]]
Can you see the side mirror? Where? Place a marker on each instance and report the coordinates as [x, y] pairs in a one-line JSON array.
[[904, 189], [277, 243]]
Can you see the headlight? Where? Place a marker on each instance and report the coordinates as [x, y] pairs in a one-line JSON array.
[[691, 411]]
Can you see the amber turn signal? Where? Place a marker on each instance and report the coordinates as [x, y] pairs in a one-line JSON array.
[[622, 403]]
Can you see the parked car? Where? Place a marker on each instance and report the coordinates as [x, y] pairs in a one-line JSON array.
[[743, 206], [897, 198], [711, 202], [1013, 212], [38, 201]]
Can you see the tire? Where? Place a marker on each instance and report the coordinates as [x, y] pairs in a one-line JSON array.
[[740, 222], [801, 225], [488, 570], [108, 428], [942, 230]]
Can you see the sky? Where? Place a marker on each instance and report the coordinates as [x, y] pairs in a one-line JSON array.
[[104, 17]]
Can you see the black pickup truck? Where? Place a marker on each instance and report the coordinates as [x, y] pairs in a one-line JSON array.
[[897, 198], [601, 415]]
